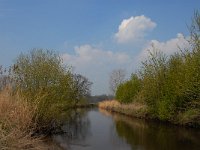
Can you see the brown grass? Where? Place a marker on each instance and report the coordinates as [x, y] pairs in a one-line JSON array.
[[16, 124], [134, 109]]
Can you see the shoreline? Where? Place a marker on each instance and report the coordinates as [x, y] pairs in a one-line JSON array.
[[141, 112]]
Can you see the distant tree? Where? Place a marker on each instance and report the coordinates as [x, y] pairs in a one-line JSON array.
[[99, 98], [80, 88], [5, 77], [116, 78]]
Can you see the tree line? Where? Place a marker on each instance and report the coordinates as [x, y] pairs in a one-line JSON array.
[[168, 85]]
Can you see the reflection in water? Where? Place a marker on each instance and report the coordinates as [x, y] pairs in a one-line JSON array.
[[149, 135], [96, 130], [76, 127]]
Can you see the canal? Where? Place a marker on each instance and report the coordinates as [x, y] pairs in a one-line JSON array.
[[94, 129]]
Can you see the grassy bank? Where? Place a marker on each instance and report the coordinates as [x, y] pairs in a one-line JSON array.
[[140, 110]]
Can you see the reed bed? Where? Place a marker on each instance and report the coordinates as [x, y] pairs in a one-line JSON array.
[[16, 124], [134, 109]]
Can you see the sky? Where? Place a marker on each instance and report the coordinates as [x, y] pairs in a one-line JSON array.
[[95, 36]]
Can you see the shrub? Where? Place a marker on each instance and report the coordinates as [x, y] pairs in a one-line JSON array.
[[127, 91], [42, 80]]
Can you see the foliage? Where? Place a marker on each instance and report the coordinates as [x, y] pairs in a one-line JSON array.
[[128, 90]]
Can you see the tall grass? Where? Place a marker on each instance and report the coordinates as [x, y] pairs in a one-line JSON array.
[[17, 124]]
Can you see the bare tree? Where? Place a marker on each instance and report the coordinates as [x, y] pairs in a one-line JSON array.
[[116, 78], [80, 87], [5, 77]]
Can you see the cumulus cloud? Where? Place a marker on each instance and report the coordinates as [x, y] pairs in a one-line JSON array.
[[134, 29], [96, 64], [168, 47]]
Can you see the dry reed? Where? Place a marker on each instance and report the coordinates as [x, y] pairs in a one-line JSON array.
[[16, 124], [134, 109]]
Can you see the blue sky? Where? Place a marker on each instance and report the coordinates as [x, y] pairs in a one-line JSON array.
[[87, 33]]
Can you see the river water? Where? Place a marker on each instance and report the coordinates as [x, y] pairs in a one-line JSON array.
[[93, 129]]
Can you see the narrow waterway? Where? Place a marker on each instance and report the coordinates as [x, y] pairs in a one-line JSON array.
[[93, 129]]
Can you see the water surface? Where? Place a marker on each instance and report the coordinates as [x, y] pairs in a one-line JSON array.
[[95, 129]]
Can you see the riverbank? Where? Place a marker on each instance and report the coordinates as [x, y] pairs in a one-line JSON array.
[[19, 129], [139, 110], [40, 88]]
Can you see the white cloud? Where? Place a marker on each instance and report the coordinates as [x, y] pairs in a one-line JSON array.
[[168, 47], [96, 64], [134, 29], [87, 55]]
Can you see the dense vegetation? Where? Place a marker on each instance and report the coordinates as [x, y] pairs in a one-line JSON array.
[[34, 93], [48, 85], [169, 85]]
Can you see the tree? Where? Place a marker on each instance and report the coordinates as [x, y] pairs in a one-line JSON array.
[[195, 32], [127, 91], [116, 78], [47, 85], [42, 79], [80, 87], [5, 78]]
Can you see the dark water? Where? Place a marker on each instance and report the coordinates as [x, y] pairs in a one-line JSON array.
[[100, 130]]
